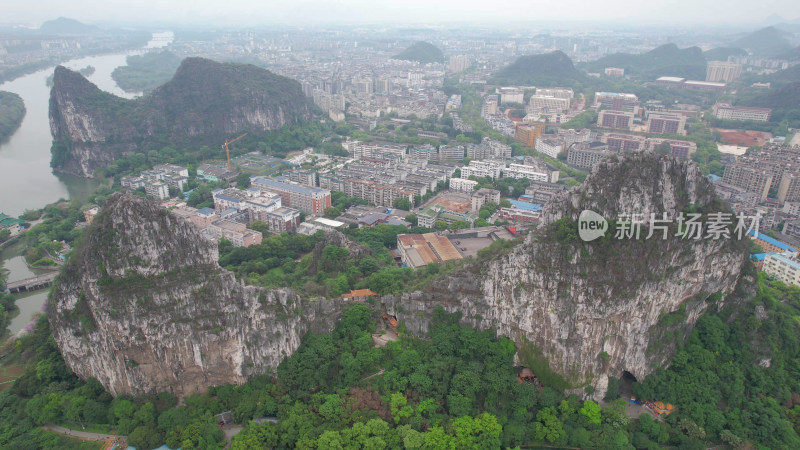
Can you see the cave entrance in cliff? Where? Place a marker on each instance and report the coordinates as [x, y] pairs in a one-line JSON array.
[[626, 384]]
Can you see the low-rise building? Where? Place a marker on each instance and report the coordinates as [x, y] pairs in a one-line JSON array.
[[665, 123], [216, 173], [542, 192], [451, 153], [511, 95], [585, 155], [482, 169], [173, 169], [571, 136], [725, 110], [307, 199], [547, 103], [428, 216], [282, 219], [462, 184], [522, 212], [10, 223], [319, 224], [237, 233], [157, 189], [624, 142], [419, 250], [518, 171], [620, 120], [617, 101], [784, 267], [679, 148], [768, 244], [550, 147], [483, 196]]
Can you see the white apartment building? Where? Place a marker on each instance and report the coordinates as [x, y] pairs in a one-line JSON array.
[[157, 189], [723, 110], [481, 169], [462, 184], [511, 95], [550, 147], [532, 173], [498, 149], [556, 92], [784, 267], [546, 102]]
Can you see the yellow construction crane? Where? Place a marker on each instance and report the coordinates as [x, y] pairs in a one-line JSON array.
[[228, 151]]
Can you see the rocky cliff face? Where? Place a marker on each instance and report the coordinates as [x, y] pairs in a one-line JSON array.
[[144, 307], [205, 101], [598, 309]]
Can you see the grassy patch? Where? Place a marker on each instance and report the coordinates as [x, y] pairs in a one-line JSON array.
[[531, 356]]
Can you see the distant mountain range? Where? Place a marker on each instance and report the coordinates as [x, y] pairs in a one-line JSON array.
[[666, 60], [422, 52], [769, 41], [65, 26], [722, 53], [554, 68]]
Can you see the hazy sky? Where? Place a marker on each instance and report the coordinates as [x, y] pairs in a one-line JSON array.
[[298, 12]]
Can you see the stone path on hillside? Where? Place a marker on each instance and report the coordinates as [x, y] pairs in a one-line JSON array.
[[81, 434]]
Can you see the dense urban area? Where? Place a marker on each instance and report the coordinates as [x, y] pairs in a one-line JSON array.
[[372, 237]]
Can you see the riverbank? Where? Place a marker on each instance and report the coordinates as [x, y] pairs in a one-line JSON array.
[[12, 111], [22, 70], [28, 304], [26, 178]]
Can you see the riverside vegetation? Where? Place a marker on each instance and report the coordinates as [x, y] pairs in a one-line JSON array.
[[12, 111]]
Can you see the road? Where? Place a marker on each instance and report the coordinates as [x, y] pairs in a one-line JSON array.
[[231, 431], [81, 434]]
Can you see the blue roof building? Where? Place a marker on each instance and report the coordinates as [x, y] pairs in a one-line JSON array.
[[770, 241], [525, 205]]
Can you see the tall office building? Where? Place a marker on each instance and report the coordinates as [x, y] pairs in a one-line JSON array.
[[458, 63], [723, 71]]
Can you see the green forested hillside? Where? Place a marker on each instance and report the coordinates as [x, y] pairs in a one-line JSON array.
[[768, 41], [722, 53], [146, 72], [12, 111], [549, 69], [422, 52], [666, 60]]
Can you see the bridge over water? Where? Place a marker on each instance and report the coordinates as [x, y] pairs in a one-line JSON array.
[[31, 284]]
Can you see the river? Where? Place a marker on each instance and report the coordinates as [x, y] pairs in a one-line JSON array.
[[26, 179]]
